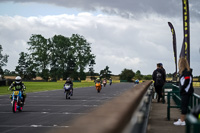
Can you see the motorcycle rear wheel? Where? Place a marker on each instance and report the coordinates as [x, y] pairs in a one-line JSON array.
[[20, 107]]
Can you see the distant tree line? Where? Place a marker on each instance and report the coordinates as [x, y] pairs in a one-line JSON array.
[[61, 57], [128, 74]]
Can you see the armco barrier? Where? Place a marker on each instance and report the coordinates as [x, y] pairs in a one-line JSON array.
[[115, 115]]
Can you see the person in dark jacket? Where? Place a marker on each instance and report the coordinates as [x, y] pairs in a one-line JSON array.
[[159, 78], [186, 88], [161, 66]]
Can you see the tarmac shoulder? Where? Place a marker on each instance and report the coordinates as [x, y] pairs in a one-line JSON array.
[[158, 122]]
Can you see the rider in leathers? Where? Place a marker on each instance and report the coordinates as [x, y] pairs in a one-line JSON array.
[[18, 85], [68, 81]]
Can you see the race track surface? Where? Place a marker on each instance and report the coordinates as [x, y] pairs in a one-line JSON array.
[[49, 111]]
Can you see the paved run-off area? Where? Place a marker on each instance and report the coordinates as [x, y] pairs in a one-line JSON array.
[[50, 110], [158, 122]]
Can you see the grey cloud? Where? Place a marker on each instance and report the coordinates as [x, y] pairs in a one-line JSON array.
[[111, 35], [126, 8]]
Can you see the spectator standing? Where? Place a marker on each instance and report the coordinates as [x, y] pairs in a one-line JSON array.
[[161, 66], [159, 78], [186, 88]]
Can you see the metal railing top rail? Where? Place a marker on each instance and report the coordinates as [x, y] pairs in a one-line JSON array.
[[196, 95]]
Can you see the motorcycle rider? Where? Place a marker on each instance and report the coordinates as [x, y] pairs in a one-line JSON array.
[[69, 81], [18, 85], [98, 80], [104, 81], [110, 81]]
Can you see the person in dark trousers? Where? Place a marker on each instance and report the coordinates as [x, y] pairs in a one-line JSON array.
[[159, 78], [186, 88]]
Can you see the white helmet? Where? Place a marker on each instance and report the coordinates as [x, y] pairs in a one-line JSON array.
[[18, 79]]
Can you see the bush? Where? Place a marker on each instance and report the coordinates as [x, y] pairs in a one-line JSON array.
[[127, 74]]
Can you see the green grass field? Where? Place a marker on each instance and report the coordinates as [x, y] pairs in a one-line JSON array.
[[45, 86]]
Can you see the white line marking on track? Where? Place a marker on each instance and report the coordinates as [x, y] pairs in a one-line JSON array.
[[60, 105], [57, 113], [35, 126], [53, 105]]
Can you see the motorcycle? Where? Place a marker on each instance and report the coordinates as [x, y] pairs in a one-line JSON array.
[[68, 90], [104, 83], [98, 87], [110, 82], [17, 101]]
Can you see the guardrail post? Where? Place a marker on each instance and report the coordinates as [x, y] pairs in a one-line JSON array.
[[168, 105]]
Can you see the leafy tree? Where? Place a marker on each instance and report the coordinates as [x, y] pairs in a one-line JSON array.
[[72, 68], [40, 54], [1, 73], [25, 67], [169, 75], [3, 60], [105, 73], [7, 72], [147, 77], [127, 74], [82, 75], [91, 69], [59, 59], [81, 52], [138, 75], [45, 74]]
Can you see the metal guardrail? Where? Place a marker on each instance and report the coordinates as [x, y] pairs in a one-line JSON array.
[[175, 94], [192, 124], [121, 114], [140, 126]]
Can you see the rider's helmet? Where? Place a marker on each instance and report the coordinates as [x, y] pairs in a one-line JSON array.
[[98, 79], [68, 79], [18, 80]]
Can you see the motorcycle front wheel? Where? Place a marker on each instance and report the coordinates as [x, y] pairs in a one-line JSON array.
[[98, 90], [14, 106], [67, 95]]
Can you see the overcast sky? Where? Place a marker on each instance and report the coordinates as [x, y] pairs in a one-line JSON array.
[[132, 34]]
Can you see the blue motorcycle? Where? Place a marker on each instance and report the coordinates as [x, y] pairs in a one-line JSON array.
[[17, 100], [68, 90]]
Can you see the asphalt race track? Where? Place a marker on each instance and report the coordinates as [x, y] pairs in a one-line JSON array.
[[49, 111]]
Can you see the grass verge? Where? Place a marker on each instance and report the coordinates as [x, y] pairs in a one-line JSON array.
[[45, 86]]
